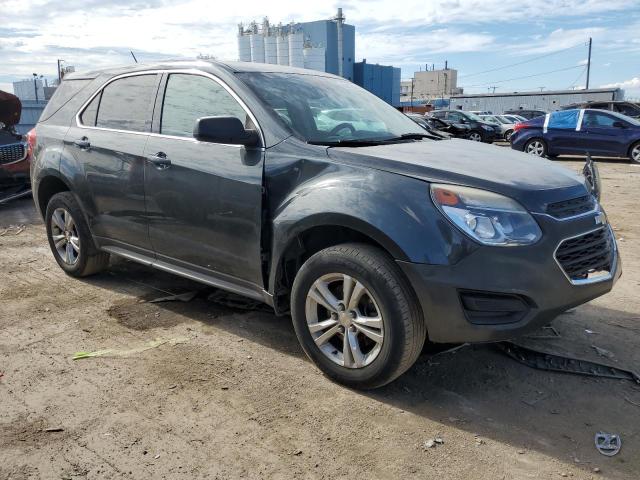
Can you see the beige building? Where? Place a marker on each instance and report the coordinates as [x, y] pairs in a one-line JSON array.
[[430, 84]]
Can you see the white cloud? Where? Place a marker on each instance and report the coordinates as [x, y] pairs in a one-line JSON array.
[[631, 87], [34, 33]]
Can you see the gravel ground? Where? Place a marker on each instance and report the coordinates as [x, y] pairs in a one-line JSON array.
[[210, 389]]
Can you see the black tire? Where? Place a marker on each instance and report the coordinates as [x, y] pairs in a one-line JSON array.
[[404, 327], [541, 147], [634, 153], [88, 260]]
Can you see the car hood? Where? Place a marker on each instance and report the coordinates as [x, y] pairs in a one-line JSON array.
[[10, 109], [532, 181]]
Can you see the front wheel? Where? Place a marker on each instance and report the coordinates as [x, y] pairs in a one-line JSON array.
[[536, 147], [356, 316], [475, 137], [634, 153]]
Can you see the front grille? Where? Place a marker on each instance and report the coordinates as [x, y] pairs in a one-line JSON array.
[[12, 153], [587, 255], [571, 208]]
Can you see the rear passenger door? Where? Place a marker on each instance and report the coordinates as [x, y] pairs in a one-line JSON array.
[[205, 206], [603, 137], [108, 142]]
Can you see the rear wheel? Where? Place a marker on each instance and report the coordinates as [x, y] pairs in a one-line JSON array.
[[70, 239], [356, 316], [634, 153], [536, 146]]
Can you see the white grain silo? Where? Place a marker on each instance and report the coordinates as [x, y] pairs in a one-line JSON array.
[[296, 47], [244, 46], [270, 49], [256, 40], [314, 58], [282, 48]]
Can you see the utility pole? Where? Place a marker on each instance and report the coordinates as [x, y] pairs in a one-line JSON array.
[[589, 63], [35, 84], [412, 82], [59, 71]]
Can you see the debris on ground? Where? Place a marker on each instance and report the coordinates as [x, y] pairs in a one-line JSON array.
[[432, 442], [565, 364], [13, 230], [232, 300], [122, 353], [602, 352], [54, 429], [181, 297], [608, 444]]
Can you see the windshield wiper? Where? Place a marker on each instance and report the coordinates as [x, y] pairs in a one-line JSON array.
[[368, 142], [363, 142]]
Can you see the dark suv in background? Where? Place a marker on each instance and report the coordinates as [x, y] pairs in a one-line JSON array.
[[374, 236], [629, 109], [528, 114], [479, 130]]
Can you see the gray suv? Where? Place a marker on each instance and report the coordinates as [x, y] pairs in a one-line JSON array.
[[301, 190]]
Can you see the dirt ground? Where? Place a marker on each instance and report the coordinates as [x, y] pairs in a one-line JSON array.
[[226, 392]]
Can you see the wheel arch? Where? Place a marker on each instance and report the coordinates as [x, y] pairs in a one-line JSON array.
[[47, 187], [316, 233]]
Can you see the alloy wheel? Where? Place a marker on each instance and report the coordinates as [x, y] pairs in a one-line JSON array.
[[536, 147], [635, 153], [64, 233], [344, 320], [475, 137]]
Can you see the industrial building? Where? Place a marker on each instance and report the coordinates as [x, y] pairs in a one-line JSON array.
[[542, 100], [31, 89], [325, 45], [381, 80], [31, 111], [430, 84]]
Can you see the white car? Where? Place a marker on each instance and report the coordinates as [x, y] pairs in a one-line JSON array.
[[502, 124]]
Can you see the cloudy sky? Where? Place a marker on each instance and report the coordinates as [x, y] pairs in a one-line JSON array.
[[547, 39]]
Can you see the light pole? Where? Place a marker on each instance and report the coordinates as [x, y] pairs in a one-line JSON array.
[[60, 62], [35, 84]]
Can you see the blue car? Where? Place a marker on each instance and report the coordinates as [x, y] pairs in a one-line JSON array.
[[578, 132]]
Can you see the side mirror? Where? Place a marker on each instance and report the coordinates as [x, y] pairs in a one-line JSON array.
[[619, 125], [228, 130]]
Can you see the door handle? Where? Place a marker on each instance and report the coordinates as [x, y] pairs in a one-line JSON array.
[[82, 143], [159, 160]]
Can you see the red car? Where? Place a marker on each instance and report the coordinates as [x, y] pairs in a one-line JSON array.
[[14, 148]]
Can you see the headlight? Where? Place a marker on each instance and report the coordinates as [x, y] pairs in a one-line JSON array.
[[485, 216]]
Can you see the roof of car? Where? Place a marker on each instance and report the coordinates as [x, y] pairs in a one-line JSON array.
[[206, 65]]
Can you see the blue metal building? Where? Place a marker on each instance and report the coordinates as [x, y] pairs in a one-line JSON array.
[[325, 33], [381, 80]]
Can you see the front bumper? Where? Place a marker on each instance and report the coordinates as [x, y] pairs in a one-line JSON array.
[[529, 273]]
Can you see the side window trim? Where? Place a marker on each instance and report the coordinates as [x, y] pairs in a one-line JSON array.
[[162, 89], [162, 76], [99, 92]]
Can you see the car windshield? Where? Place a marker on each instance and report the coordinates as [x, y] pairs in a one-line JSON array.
[[329, 110], [472, 116]]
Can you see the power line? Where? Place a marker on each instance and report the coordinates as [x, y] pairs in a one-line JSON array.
[[573, 84], [526, 76], [524, 61]]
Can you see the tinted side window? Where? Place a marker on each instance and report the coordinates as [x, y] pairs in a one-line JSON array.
[[189, 97], [88, 116], [126, 104], [593, 119]]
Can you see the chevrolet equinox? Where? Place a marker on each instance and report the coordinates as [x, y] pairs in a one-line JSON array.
[[299, 189]]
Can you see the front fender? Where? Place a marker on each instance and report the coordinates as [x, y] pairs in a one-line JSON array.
[[393, 210]]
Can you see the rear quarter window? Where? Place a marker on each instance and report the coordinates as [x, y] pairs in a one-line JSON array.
[[65, 92]]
